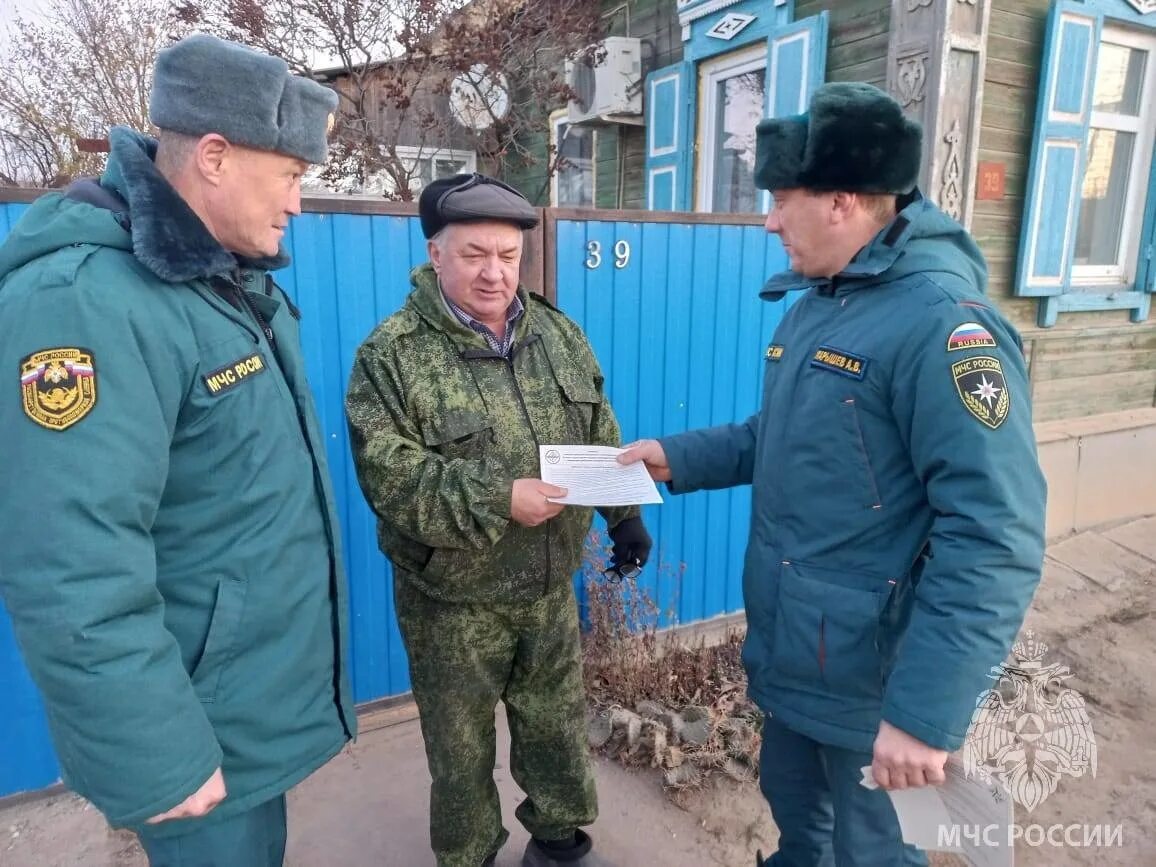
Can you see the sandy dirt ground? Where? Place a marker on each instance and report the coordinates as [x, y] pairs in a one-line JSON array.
[[369, 807], [1094, 610]]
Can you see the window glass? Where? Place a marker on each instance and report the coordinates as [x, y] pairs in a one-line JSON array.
[[1117, 161], [1119, 79], [1104, 198], [739, 106], [574, 177]]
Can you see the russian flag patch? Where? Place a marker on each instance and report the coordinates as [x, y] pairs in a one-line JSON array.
[[969, 335]]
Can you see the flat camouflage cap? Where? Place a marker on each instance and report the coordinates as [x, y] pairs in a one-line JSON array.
[[204, 85], [472, 198], [854, 138]]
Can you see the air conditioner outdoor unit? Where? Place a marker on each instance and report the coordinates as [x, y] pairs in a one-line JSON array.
[[610, 92]]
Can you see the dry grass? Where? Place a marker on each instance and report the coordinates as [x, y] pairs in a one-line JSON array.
[[659, 701]]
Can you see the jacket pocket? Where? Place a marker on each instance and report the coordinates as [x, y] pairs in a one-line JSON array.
[[827, 631], [442, 562], [458, 433], [221, 640], [868, 488], [829, 437], [581, 396]]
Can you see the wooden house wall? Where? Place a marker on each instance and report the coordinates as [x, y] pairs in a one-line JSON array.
[[1087, 363], [620, 149], [858, 33]]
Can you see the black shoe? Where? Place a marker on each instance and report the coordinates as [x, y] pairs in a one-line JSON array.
[[578, 855]]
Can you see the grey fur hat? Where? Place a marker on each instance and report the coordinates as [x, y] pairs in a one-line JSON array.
[[203, 85], [854, 138]]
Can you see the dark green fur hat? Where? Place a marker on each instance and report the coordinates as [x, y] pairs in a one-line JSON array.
[[854, 138]]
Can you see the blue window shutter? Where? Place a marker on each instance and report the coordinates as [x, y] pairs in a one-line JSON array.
[[669, 137], [1063, 112], [1146, 270], [796, 65]]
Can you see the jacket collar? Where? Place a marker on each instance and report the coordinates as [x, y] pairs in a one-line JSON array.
[[168, 238], [427, 300]]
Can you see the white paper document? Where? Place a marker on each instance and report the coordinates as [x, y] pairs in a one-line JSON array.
[[969, 816], [592, 476]]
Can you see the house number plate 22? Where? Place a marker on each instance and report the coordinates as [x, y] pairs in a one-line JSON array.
[[594, 254]]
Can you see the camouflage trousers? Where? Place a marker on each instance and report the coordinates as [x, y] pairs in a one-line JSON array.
[[463, 659]]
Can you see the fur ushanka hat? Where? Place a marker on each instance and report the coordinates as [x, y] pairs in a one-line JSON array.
[[204, 85], [854, 138]]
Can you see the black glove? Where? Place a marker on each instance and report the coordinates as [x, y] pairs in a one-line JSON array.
[[631, 543]]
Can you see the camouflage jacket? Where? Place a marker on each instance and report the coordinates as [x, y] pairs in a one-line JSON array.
[[442, 426]]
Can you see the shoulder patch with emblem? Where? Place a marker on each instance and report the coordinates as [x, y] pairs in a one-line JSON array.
[[970, 335], [982, 388], [58, 386], [774, 352], [840, 361]]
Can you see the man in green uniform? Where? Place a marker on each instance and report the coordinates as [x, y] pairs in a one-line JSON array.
[[448, 402], [898, 505], [170, 545]]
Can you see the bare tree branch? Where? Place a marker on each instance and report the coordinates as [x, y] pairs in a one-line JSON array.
[[83, 67], [394, 63], [88, 64]]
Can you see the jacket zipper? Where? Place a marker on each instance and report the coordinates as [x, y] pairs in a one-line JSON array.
[[802, 365], [228, 290], [231, 292], [266, 328], [537, 444], [469, 355]]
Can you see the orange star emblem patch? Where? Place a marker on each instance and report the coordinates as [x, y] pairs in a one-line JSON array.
[[58, 386]]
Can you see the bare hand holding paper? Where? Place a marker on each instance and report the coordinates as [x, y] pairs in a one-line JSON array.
[[966, 815], [593, 476]]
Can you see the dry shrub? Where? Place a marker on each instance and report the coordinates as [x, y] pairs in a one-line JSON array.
[[656, 699]]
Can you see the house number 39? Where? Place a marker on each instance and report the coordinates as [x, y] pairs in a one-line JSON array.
[[594, 254]]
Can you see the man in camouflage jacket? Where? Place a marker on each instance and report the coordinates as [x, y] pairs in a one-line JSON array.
[[448, 401]]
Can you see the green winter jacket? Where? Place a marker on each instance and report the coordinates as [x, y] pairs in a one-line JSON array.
[[442, 426], [169, 550], [897, 511]]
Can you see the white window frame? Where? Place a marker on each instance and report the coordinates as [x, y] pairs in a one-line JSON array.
[[1123, 271], [410, 155], [710, 73], [558, 118]]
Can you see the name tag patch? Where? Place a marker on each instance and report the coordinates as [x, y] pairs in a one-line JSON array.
[[774, 352], [841, 362], [233, 374]]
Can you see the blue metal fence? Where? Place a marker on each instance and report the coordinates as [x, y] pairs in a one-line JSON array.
[[349, 272], [27, 759], [681, 334], [673, 314]]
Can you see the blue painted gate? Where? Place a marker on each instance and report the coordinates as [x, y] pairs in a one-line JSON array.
[[672, 311]]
